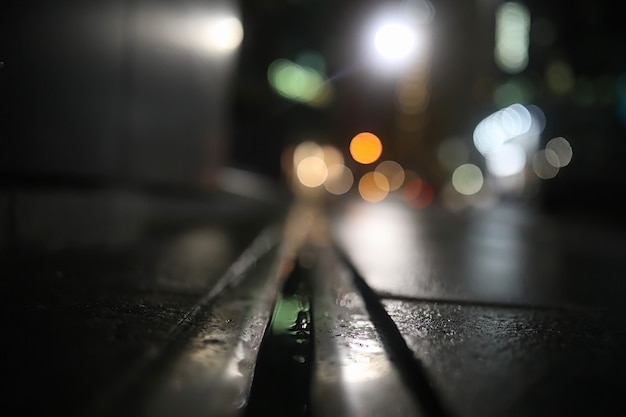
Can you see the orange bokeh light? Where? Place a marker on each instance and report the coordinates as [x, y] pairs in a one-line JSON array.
[[370, 189], [366, 148]]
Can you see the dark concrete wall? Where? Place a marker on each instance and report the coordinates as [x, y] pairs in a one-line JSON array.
[[106, 95]]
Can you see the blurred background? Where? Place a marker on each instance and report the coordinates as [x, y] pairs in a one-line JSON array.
[[146, 146], [463, 104], [483, 100]]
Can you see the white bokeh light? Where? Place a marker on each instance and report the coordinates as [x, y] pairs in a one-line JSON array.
[[467, 179], [505, 160], [559, 152], [395, 41], [220, 34], [502, 126], [312, 171]]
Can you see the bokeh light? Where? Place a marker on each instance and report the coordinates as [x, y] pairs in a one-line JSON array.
[[313, 60], [508, 159], [542, 167], [467, 179], [395, 41], [370, 189], [225, 34], [508, 139], [308, 169], [538, 118], [504, 125], [552, 157], [306, 149], [417, 192], [512, 34], [219, 34], [560, 154], [312, 171], [340, 179], [298, 83], [366, 148], [393, 172], [332, 155], [397, 35]]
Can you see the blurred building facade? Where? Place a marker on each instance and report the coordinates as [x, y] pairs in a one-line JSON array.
[[99, 100]]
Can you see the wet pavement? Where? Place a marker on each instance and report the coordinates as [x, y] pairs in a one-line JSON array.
[[361, 310]]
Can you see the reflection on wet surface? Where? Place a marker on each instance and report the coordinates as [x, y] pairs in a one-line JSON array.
[[353, 374], [213, 373], [503, 254], [485, 313]]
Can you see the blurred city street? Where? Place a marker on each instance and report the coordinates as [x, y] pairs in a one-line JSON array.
[[311, 209]]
